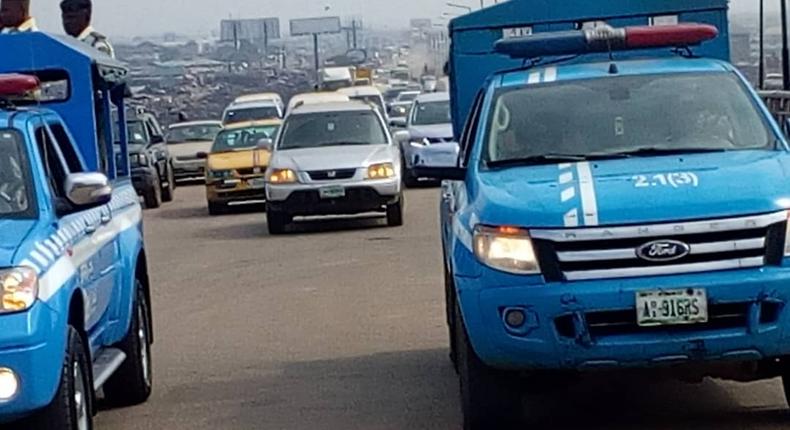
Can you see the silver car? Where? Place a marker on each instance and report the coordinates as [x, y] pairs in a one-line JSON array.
[[333, 159], [185, 141]]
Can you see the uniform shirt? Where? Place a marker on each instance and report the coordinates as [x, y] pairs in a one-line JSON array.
[[96, 40], [26, 27]]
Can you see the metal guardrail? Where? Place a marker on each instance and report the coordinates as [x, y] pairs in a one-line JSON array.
[[778, 103]]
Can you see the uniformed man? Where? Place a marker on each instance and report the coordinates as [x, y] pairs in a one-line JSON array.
[[77, 16], [15, 17]]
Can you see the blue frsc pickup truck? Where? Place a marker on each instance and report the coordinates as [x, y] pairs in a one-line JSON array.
[[75, 313], [621, 203]]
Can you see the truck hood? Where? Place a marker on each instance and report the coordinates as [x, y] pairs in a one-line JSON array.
[[12, 235], [333, 157], [189, 149], [239, 159], [637, 190], [435, 131]]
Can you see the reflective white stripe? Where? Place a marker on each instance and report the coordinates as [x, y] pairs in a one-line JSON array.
[[66, 267], [551, 75], [45, 252], [566, 177], [587, 190], [568, 194], [534, 78], [39, 258], [571, 218], [30, 264]]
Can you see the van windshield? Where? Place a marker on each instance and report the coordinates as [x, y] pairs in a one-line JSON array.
[[625, 116], [244, 114], [15, 185]]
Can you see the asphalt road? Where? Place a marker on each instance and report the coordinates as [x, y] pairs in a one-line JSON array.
[[340, 325]]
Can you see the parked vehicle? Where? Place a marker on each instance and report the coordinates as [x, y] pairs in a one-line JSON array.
[[333, 159], [236, 164], [76, 309], [185, 141], [152, 166], [334, 78], [428, 135]]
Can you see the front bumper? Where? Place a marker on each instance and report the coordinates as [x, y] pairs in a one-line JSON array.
[[32, 344], [586, 325], [305, 200], [184, 169], [236, 190]]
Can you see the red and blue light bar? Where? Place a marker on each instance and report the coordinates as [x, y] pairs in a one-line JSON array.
[[606, 39], [15, 84]]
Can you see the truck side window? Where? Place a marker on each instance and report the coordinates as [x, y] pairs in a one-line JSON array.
[[56, 168], [66, 147], [467, 140], [153, 131]]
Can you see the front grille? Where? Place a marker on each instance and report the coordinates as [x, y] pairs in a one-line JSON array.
[[609, 253], [250, 171], [332, 175], [623, 322]]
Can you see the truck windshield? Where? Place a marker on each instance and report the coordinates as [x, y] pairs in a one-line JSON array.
[[243, 138], [431, 113], [193, 133], [15, 186], [244, 114], [624, 116], [312, 130]]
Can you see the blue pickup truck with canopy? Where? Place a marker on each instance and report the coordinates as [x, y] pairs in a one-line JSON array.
[[75, 313], [620, 201]]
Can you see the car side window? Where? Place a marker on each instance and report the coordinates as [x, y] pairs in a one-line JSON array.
[[470, 129], [66, 146], [152, 132], [54, 162]]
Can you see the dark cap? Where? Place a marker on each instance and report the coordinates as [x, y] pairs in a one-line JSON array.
[[76, 3]]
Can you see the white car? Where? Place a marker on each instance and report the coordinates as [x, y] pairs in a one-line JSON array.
[[251, 111], [333, 159], [185, 141]]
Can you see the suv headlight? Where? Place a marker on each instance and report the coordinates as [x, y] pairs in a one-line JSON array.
[[508, 249], [282, 176], [19, 288], [381, 171], [139, 159]]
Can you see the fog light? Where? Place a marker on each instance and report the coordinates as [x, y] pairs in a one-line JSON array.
[[9, 384], [515, 318]]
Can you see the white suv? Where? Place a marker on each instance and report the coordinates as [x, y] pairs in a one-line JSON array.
[[333, 159]]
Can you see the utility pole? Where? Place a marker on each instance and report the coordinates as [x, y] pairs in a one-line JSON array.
[[785, 51], [317, 63], [762, 45], [354, 32]]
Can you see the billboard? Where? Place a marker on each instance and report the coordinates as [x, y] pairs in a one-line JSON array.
[[421, 24], [249, 29], [307, 26]]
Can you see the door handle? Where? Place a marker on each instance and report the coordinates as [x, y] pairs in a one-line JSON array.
[[106, 217], [90, 228]]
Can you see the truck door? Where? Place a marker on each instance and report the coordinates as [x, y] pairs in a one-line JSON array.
[[96, 252]]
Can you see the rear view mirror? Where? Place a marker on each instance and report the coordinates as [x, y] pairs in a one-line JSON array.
[[87, 190], [402, 136], [266, 144]]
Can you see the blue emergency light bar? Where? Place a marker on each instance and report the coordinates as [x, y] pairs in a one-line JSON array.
[[605, 39]]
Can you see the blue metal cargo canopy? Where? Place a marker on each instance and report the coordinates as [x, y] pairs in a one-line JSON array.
[[472, 57]]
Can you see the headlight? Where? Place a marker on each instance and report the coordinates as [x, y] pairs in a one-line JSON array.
[[506, 248], [19, 287], [381, 171], [138, 159], [282, 176]]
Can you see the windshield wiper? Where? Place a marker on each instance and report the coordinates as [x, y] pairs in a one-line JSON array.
[[663, 151], [342, 143], [538, 159]]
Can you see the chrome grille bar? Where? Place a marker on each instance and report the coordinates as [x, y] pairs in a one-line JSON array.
[[710, 266], [630, 253]]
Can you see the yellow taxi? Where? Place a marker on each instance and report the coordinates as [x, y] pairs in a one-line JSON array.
[[236, 165]]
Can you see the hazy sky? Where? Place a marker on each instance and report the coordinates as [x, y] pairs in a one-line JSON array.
[[144, 17]]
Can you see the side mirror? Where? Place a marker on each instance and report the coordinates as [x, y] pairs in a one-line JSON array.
[[86, 190], [266, 144], [402, 136], [202, 155], [398, 122], [439, 166]]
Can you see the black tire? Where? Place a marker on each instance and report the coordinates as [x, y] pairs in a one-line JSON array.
[[169, 191], [450, 305], [153, 196], [276, 221], [409, 180], [395, 213], [490, 398], [68, 411], [215, 209], [133, 381]]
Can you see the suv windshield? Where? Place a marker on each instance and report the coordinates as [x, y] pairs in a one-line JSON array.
[[623, 116], [373, 100], [332, 129], [431, 113], [136, 130], [193, 133], [243, 138], [15, 184], [243, 114]]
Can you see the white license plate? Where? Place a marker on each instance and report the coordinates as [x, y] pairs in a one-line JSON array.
[[671, 307], [257, 183], [332, 192]]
